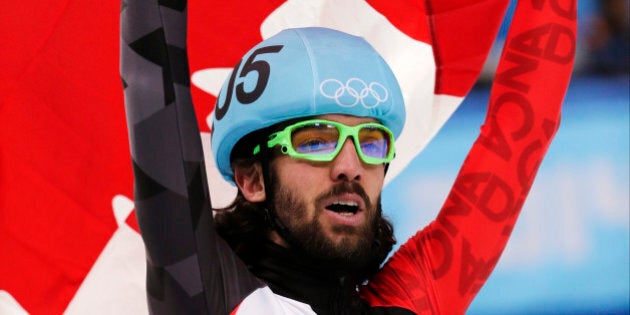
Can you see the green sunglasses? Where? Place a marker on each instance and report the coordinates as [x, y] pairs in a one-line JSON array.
[[321, 140]]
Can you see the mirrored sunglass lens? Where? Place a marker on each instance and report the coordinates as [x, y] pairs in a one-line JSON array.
[[315, 139], [374, 142]]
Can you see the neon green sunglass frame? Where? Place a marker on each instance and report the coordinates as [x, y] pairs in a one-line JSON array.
[[283, 139]]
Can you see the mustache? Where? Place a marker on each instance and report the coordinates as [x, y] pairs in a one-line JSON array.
[[346, 188]]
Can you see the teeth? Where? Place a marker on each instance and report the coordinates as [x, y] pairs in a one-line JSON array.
[[345, 208], [346, 203]]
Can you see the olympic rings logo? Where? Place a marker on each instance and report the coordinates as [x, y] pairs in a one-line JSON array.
[[353, 92]]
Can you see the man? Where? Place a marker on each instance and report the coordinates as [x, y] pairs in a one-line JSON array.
[[314, 184], [308, 149], [305, 127]]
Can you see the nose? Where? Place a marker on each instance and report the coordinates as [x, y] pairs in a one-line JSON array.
[[347, 165]]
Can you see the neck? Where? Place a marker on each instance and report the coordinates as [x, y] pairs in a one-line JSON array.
[[275, 238], [320, 284]]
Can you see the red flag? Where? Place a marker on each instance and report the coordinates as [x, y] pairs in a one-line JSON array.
[[65, 170], [64, 153]]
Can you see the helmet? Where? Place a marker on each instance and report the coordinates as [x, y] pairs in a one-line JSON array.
[[303, 72]]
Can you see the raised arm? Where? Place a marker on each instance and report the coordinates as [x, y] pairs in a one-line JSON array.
[[190, 269], [441, 269]]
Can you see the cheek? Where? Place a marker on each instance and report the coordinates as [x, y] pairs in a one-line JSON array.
[[293, 171], [293, 175], [302, 179], [373, 180]]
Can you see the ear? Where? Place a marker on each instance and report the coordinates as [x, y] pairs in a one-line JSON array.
[[250, 182]]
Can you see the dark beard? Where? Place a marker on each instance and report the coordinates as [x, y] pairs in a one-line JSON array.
[[356, 248]]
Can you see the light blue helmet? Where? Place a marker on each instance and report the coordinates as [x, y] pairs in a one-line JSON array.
[[303, 72]]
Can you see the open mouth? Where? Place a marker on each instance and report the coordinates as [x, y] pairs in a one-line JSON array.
[[345, 208]]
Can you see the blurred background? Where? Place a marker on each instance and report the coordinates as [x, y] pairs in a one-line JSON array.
[[569, 252]]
